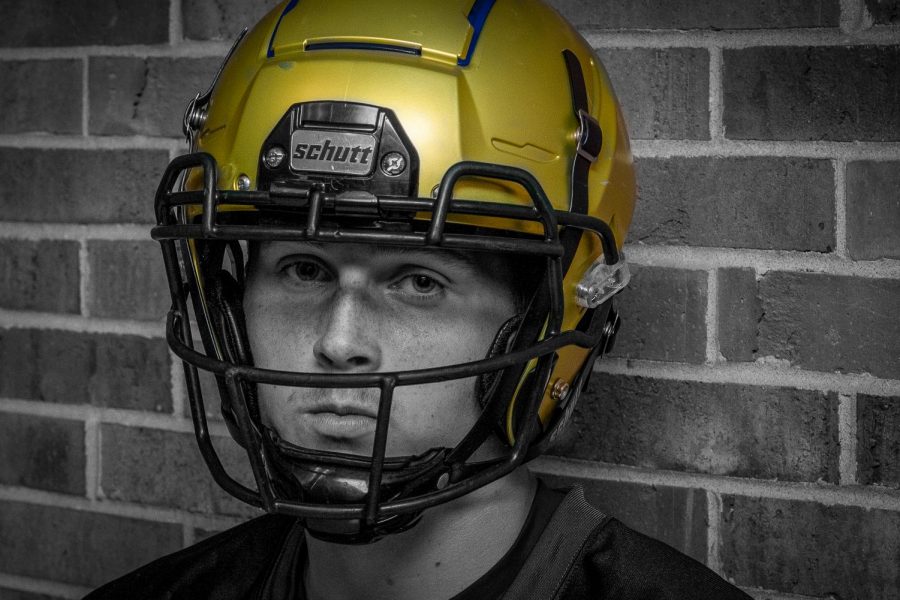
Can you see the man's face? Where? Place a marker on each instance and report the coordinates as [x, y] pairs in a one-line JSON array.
[[350, 308]]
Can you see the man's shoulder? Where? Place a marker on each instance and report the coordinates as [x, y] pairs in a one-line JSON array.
[[611, 560], [626, 565], [226, 566]]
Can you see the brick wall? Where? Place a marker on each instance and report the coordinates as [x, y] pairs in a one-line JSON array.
[[750, 415]]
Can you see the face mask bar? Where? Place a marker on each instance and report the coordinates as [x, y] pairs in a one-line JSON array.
[[315, 203]]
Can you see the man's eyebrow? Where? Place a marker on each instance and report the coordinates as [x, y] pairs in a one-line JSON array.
[[466, 258]]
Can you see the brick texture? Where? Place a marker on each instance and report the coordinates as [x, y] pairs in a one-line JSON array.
[[663, 312], [873, 209], [664, 93], [724, 429], [165, 468], [676, 516], [79, 368], [805, 548], [729, 202], [78, 547], [222, 20], [813, 93], [127, 280], [831, 323], [87, 186], [884, 12], [43, 95], [700, 14], [110, 22], [39, 276], [146, 96], [878, 440], [739, 313], [42, 453]]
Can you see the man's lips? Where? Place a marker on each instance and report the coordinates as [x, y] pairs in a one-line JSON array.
[[343, 420], [341, 409]]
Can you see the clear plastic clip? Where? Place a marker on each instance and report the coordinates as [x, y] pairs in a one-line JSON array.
[[601, 282]]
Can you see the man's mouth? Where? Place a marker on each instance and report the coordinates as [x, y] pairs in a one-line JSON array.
[[336, 419]]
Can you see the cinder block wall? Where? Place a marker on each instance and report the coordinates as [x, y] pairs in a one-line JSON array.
[[750, 415]]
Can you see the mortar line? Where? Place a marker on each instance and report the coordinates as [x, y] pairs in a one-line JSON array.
[[712, 317], [840, 208], [10, 319], [178, 386], [87, 142], [735, 39], [763, 594], [704, 257], [85, 97], [756, 374], [115, 508], [182, 49], [732, 148], [716, 95], [75, 232], [847, 437], [714, 531], [92, 456], [112, 416], [84, 273], [867, 497], [43, 586], [176, 26]]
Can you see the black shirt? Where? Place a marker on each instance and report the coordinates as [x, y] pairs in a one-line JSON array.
[[263, 560]]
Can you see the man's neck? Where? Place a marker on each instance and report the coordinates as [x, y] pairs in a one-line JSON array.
[[452, 546]]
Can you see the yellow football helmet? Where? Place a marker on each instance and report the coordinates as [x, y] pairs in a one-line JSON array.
[[473, 124]]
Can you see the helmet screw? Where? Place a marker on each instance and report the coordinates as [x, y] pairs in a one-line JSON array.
[[443, 480], [274, 157], [560, 390], [393, 163], [243, 183]]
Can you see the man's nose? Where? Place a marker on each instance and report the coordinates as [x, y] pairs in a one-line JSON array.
[[349, 341]]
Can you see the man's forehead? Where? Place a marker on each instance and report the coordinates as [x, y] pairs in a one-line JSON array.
[[474, 260]]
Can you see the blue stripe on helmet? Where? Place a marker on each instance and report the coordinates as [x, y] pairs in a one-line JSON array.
[[290, 6], [477, 16]]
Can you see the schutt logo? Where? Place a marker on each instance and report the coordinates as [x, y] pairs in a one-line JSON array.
[[335, 152], [329, 153]]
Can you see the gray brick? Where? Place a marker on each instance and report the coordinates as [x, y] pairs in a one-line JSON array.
[[103, 22], [806, 548], [873, 209], [664, 315], [42, 453], [831, 323], [41, 95], [78, 547], [739, 313], [82, 186], [676, 516], [127, 280], [151, 466], [664, 93], [878, 440], [134, 96], [723, 429], [40, 276], [884, 12], [756, 202], [813, 93], [222, 19], [78, 368], [700, 14]]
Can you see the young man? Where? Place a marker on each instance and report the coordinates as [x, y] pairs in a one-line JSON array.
[[398, 237]]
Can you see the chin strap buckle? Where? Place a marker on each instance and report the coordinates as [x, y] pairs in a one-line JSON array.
[[590, 136], [602, 281]]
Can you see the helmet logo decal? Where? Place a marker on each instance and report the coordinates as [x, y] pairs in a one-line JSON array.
[[332, 152]]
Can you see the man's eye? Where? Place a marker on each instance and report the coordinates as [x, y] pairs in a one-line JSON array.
[[304, 270], [424, 284], [419, 283]]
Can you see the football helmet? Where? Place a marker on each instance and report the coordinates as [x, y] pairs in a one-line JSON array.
[[479, 125]]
